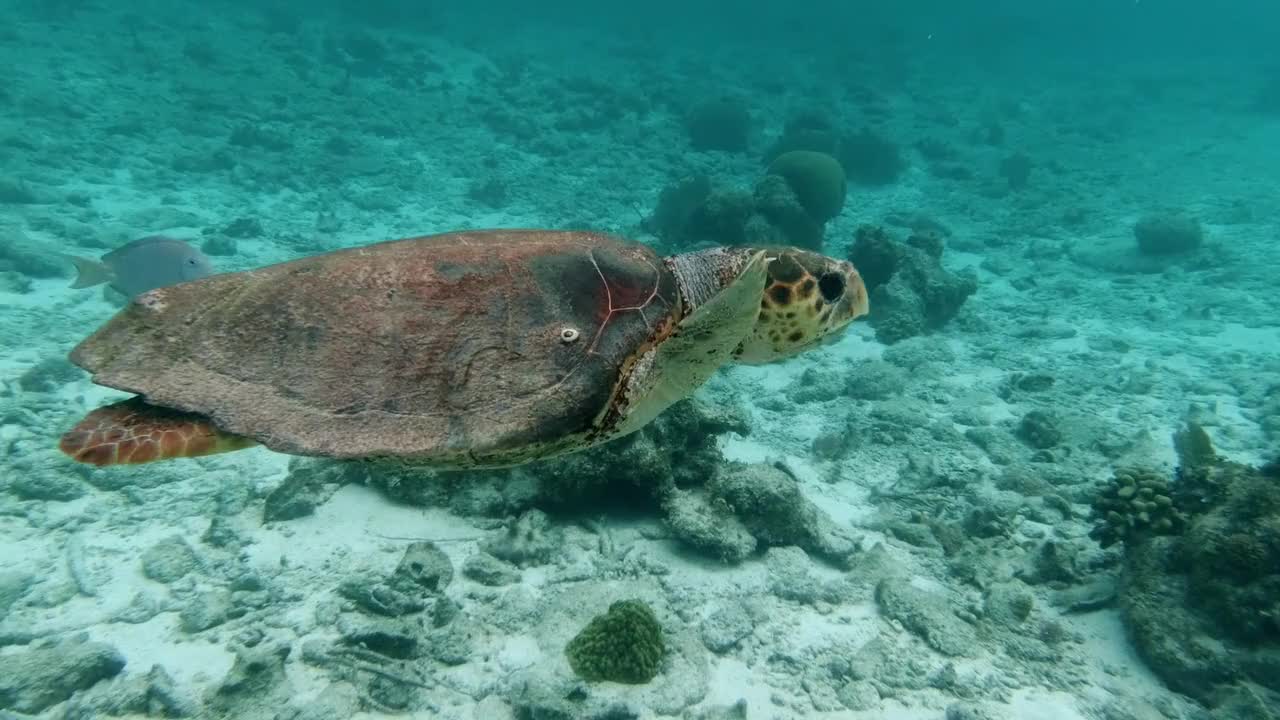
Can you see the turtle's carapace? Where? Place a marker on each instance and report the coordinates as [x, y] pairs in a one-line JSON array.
[[484, 348]]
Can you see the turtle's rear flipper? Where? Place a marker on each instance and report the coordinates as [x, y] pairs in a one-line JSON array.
[[133, 432]]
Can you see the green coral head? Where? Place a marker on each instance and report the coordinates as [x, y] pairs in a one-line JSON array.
[[623, 645]]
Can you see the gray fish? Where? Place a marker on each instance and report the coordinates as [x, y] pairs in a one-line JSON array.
[[142, 265]]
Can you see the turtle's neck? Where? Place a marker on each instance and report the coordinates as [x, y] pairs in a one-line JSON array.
[[703, 274]]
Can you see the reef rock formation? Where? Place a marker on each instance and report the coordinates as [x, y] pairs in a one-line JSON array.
[[911, 293], [1203, 605], [789, 205]]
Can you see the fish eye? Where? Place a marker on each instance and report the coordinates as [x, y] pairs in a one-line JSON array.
[[831, 285]]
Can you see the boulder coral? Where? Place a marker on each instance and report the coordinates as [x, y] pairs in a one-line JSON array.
[[780, 217], [779, 209], [622, 645], [1167, 234], [816, 178], [867, 156]]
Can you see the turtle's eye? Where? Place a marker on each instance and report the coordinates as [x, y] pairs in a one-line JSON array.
[[831, 285], [568, 335]]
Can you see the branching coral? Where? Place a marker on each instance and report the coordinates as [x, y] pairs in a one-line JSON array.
[[1135, 505]]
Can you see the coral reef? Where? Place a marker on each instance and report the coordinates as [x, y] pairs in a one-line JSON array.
[[678, 449], [673, 468], [708, 526], [789, 205], [868, 158], [1167, 234], [1203, 605], [1160, 239], [780, 217], [256, 678], [48, 375], [23, 257], [1232, 554], [623, 645], [39, 678], [768, 501], [1267, 99], [721, 219], [719, 124], [975, 591], [1016, 170], [308, 485], [810, 130], [424, 566], [744, 507], [927, 615], [676, 205], [911, 293], [528, 540], [1039, 429], [422, 574]]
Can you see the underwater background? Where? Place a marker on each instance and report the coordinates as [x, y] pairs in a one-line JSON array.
[[1038, 481]]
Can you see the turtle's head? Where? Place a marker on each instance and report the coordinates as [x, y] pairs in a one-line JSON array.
[[808, 299]]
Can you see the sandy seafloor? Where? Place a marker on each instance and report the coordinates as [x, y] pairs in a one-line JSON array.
[[116, 125]]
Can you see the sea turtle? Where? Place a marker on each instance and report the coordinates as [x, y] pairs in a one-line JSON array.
[[467, 349]]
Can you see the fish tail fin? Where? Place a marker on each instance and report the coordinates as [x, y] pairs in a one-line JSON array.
[[133, 432], [89, 272]]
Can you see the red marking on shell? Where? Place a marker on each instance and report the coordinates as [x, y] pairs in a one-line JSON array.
[[617, 295]]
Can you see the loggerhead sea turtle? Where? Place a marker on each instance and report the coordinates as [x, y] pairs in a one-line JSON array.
[[467, 349]]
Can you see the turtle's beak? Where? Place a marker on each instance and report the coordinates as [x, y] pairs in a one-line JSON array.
[[808, 301], [856, 291]]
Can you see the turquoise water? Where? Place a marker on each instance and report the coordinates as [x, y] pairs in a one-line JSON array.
[[1037, 480]]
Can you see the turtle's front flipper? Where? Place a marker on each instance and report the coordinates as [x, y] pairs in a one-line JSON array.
[[133, 432]]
